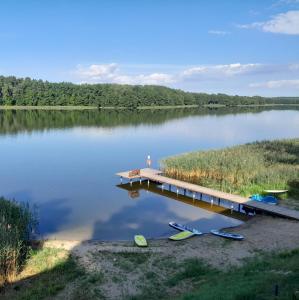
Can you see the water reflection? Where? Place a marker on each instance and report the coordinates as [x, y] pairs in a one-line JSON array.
[[187, 199], [18, 121]]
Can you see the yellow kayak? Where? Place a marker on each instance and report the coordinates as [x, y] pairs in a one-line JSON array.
[[140, 241], [181, 236]]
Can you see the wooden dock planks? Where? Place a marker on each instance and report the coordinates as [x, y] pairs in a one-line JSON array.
[[155, 175]]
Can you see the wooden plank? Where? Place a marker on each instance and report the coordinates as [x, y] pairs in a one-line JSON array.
[[155, 175], [143, 173], [196, 188], [275, 209]]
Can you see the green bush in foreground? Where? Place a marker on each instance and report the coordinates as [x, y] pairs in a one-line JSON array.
[[16, 225], [245, 169]]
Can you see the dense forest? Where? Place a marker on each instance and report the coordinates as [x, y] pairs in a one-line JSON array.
[[26, 91]]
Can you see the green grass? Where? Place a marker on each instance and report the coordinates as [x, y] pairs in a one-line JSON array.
[[193, 269], [47, 107], [129, 261], [45, 274], [142, 107], [245, 169], [255, 280]]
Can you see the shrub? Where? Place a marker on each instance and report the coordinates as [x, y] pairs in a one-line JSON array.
[[16, 225]]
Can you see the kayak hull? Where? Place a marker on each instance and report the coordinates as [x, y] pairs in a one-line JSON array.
[[184, 228], [181, 236], [227, 235], [140, 241], [265, 199]]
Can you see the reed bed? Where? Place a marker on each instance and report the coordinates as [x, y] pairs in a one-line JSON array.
[[244, 170], [16, 225]]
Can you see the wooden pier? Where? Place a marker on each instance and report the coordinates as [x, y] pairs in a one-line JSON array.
[[156, 176]]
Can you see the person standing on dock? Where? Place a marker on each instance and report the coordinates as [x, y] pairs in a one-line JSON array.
[[148, 161]]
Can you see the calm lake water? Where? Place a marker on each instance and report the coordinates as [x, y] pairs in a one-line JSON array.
[[64, 162]]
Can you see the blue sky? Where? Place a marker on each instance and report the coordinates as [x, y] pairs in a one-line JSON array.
[[233, 46]]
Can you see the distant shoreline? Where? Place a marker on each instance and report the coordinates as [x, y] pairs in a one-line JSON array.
[[58, 107]]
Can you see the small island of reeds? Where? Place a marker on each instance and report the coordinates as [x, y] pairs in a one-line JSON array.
[[247, 169]]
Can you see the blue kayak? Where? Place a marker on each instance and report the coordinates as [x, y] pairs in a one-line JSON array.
[[227, 235], [184, 228], [264, 199]]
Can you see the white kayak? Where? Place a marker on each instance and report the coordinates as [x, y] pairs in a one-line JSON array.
[[276, 191], [184, 228], [233, 236]]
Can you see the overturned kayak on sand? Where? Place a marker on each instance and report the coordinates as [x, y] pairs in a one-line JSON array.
[[227, 235], [184, 228], [181, 236]]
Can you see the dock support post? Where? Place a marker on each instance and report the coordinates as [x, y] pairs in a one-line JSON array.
[[184, 192], [193, 196], [169, 187], [231, 208], [218, 201], [177, 191], [130, 182], [200, 196], [212, 202], [239, 207], [162, 186], [140, 180], [148, 182]]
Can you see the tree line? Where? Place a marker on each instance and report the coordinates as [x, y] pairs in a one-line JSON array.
[[31, 92]]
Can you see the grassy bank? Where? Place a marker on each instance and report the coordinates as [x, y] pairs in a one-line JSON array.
[[245, 169], [255, 280], [90, 107], [149, 107], [16, 225], [46, 273], [52, 273]]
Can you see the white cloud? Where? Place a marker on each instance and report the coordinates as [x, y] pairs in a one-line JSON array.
[[110, 73], [285, 2], [218, 32], [154, 78], [275, 84], [294, 67], [226, 78], [250, 26], [284, 23], [96, 72], [218, 71]]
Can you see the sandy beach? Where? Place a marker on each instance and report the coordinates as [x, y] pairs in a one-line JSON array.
[[262, 234]]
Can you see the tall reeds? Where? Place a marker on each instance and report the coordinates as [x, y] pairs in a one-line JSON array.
[[17, 222], [245, 169]]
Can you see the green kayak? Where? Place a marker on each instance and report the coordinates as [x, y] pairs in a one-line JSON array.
[[140, 241], [181, 236]]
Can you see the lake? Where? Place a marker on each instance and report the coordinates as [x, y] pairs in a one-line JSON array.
[[64, 163]]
